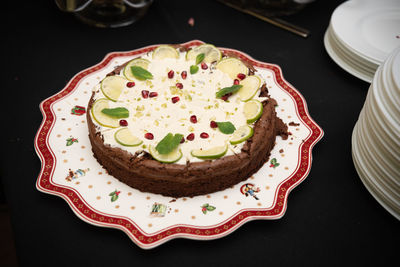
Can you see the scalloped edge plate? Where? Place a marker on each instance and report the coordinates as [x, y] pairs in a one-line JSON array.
[[48, 148]]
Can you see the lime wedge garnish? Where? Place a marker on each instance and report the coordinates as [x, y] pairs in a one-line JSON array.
[[140, 62], [250, 86], [102, 118], [112, 86], [212, 153], [241, 134], [232, 66], [126, 138], [165, 51], [211, 53], [252, 110], [171, 157]]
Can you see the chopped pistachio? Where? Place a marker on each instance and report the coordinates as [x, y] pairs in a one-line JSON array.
[[138, 114], [164, 105], [183, 106], [191, 129], [156, 123]]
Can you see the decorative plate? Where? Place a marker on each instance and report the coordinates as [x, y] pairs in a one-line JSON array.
[[70, 171]]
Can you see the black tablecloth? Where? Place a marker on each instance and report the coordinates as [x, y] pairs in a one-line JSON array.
[[331, 218]]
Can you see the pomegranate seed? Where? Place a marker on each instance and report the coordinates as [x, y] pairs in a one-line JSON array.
[[171, 74], [130, 84], [236, 81], [241, 76], [184, 74], [204, 135], [182, 140], [123, 123], [190, 137], [175, 99], [204, 66], [213, 124], [225, 97], [179, 85], [193, 119], [145, 93], [149, 136], [153, 94]]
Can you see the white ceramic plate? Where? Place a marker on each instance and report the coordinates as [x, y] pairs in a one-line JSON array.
[[369, 27], [70, 171], [341, 60]]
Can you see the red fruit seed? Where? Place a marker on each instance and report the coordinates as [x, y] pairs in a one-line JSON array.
[[236, 81], [204, 66], [193, 119], [175, 99], [149, 136], [153, 94], [190, 137], [145, 93], [213, 124], [225, 97], [123, 123], [171, 74], [204, 135], [130, 84], [182, 140], [179, 85], [184, 74], [241, 76]]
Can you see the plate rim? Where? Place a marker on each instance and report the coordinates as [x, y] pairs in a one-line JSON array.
[[146, 241]]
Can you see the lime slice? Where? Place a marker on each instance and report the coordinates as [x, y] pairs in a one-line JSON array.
[[141, 62], [126, 138], [252, 110], [210, 52], [102, 118], [232, 66], [112, 86], [250, 86], [241, 134], [212, 153], [171, 157], [165, 51]]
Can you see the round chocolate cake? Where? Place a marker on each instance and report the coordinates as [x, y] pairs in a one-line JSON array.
[[183, 122]]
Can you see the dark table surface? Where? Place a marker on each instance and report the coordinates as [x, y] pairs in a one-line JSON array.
[[331, 218]]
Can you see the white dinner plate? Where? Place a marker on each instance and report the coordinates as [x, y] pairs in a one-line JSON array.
[[368, 27]]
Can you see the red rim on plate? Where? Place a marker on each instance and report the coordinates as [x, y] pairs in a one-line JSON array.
[[83, 210]]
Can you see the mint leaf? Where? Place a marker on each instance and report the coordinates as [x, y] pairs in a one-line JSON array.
[[226, 127], [228, 90], [117, 113], [200, 58], [140, 73], [169, 143], [194, 69]]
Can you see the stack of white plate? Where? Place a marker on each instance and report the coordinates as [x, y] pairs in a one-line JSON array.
[[376, 136], [362, 33]]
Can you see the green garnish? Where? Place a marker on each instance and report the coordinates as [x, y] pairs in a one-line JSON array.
[[117, 113], [228, 90], [226, 127], [200, 58], [169, 143], [194, 69], [140, 73]]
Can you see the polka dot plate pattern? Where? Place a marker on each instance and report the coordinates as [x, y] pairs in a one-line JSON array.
[[70, 171]]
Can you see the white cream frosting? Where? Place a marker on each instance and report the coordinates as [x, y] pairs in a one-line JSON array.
[[159, 116]]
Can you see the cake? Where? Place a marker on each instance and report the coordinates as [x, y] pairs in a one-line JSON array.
[[183, 122]]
